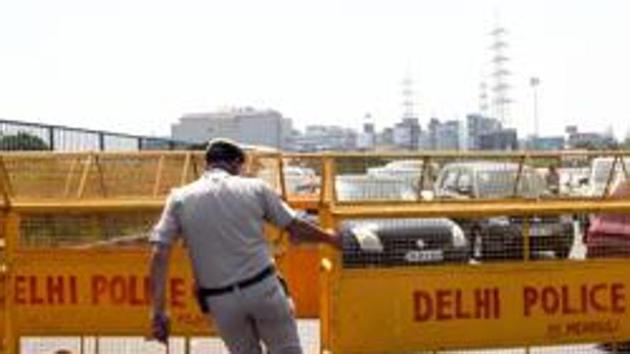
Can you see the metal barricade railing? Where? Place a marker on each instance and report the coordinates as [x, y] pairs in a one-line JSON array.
[[360, 177], [514, 217], [455, 274], [78, 268]]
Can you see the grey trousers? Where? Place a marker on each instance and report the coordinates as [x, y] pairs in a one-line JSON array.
[[260, 313]]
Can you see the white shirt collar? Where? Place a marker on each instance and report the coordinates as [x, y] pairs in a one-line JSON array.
[[216, 172]]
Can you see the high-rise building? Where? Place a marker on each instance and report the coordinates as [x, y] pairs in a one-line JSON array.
[[477, 125], [367, 137], [407, 134], [447, 135], [326, 138], [504, 139], [588, 140], [444, 135], [245, 125]]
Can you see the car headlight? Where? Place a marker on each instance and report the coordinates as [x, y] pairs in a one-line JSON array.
[[367, 238], [459, 239]]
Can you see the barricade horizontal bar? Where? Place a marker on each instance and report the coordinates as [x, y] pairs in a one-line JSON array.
[[355, 210], [87, 206], [479, 209], [113, 205]]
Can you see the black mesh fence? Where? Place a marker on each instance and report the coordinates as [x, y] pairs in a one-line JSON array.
[[21, 136]]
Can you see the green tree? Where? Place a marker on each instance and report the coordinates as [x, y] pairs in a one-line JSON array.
[[22, 141]]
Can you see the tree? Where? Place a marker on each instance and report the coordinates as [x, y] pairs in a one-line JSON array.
[[22, 141]]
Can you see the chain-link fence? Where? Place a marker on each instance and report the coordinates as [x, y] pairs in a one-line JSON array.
[[86, 230], [358, 178], [473, 176]]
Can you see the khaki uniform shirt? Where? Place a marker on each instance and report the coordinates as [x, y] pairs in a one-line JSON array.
[[221, 218]]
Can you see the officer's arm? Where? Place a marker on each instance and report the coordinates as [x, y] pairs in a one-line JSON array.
[[302, 230], [162, 237], [281, 215], [158, 270]]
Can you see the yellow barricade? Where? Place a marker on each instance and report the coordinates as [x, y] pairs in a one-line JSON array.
[[73, 272], [396, 309], [489, 306], [97, 292], [58, 203]]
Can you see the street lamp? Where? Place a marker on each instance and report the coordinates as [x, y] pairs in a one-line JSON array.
[[534, 82]]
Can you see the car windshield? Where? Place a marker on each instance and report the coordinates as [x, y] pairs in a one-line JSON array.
[[404, 164], [355, 188], [601, 170], [500, 184]]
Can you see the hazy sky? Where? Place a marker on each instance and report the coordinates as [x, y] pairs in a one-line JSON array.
[[136, 66]]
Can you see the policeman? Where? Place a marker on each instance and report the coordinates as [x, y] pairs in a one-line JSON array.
[[220, 217]]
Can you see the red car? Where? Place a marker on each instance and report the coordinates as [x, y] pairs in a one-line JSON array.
[[608, 235]]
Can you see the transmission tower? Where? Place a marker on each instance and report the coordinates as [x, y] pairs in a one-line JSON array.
[[500, 87], [408, 101], [483, 99]]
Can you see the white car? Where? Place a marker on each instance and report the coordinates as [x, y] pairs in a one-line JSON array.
[[601, 174], [300, 180], [399, 168], [409, 172]]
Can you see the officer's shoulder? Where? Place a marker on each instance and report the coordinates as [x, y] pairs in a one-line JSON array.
[[179, 193], [251, 182]]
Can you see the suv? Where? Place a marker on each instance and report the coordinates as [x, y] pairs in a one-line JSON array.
[[501, 237]]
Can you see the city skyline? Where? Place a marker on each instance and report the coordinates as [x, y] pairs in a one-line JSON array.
[[137, 67]]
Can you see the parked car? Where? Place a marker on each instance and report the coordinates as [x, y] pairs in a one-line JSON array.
[[297, 180], [400, 168], [404, 242], [501, 237], [410, 171], [409, 241], [300, 180], [364, 188], [574, 181], [601, 174], [608, 235]]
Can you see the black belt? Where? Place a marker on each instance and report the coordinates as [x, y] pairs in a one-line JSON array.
[[203, 292]]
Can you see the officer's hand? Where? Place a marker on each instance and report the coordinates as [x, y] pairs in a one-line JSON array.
[[335, 239], [160, 327]]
